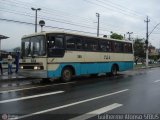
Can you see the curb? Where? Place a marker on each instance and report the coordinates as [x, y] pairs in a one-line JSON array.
[[16, 79], [19, 78], [146, 68], [12, 79]]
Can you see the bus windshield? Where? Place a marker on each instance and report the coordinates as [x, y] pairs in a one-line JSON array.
[[33, 46]]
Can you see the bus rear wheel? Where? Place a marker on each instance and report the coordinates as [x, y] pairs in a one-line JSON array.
[[67, 74], [114, 70]]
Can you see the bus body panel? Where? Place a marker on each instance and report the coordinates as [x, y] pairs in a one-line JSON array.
[[85, 54], [88, 63], [90, 68]]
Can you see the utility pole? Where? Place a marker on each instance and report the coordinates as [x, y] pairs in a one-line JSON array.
[[34, 9], [129, 38], [147, 51], [98, 16], [129, 33]]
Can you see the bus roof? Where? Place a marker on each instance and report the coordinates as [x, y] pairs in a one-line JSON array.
[[72, 33]]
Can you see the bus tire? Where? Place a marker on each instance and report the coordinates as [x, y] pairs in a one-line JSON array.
[[67, 74], [114, 70]]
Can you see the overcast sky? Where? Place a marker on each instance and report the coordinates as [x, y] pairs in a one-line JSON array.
[[119, 16]]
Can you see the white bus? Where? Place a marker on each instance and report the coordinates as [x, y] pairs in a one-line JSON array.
[[64, 55]]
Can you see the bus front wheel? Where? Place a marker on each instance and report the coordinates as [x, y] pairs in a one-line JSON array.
[[67, 74]]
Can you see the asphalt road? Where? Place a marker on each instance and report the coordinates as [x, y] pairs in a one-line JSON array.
[[133, 92]]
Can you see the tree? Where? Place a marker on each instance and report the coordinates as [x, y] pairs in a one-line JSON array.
[[116, 36], [17, 49], [152, 53], [139, 49]]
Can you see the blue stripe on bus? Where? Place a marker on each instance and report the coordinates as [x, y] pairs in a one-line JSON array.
[[91, 68]]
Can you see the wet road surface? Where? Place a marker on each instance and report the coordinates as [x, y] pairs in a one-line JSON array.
[[84, 98]]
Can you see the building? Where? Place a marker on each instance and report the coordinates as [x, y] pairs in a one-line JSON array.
[[3, 53], [152, 51]]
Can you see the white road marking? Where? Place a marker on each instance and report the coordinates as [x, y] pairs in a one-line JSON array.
[[97, 112], [156, 81], [71, 104], [30, 97], [36, 87]]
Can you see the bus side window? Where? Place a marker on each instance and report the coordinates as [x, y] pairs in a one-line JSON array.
[[85, 45], [74, 42], [115, 46], [55, 45], [91, 45], [103, 46], [94, 45], [70, 42], [112, 44], [59, 42], [128, 48], [118, 47], [122, 47], [109, 46], [51, 41], [55, 42], [79, 43]]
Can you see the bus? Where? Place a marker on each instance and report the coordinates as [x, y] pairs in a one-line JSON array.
[[52, 55]]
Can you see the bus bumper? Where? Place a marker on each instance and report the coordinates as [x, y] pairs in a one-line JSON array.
[[33, 73]]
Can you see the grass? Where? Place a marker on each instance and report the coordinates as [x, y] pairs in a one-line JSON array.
[[139, 65]]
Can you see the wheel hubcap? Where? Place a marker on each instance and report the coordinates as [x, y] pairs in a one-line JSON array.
[[67, 74]]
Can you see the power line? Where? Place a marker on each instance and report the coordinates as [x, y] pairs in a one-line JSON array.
[[24, 4], [20, 4], [123, 8], [28, 15], [52, 12], [120, 9], [115, 7], [49, 13], [52, 19], [155, 33], [27, 23], [32, 24], [111, 8], [55, 20], [62, 20]]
